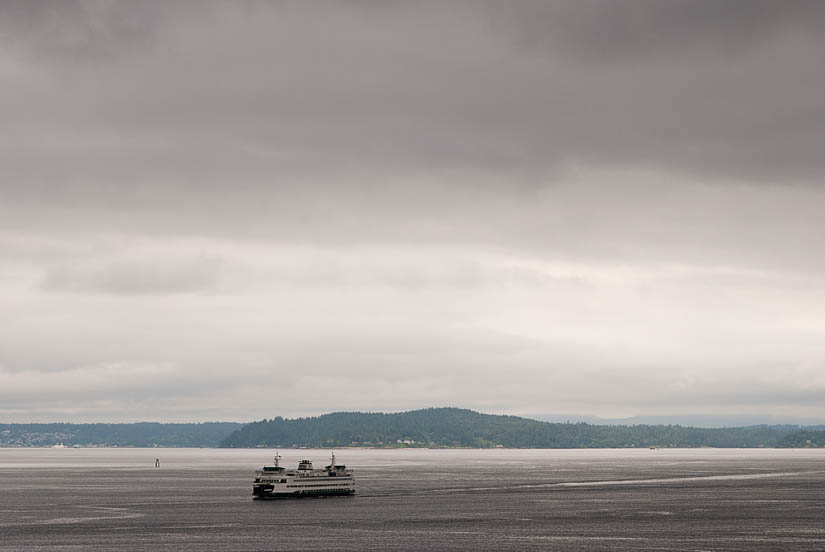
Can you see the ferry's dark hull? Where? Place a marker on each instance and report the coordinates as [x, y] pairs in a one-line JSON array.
[[263, 494]]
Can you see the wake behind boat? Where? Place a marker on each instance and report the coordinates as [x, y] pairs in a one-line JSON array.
[[278, 482]]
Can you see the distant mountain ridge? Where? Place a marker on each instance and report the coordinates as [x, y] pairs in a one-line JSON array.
[[455, 427]]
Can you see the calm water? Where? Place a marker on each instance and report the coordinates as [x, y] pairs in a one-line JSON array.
[[699, 499]]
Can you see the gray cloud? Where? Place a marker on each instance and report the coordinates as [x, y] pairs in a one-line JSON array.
[[265, 91], [591, 198], [163, 276], [600, 31]]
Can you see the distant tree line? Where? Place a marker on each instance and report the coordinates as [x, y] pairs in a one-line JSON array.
[[453, 427], [433, 427], [804, 438], [145, 434]]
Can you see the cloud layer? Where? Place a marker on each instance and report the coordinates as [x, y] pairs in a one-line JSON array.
[[213, 210]]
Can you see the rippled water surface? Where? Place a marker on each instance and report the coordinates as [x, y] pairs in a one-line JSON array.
[[200, 499]]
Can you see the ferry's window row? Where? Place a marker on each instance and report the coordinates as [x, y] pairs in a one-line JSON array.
[[330, 485], [259, 480]]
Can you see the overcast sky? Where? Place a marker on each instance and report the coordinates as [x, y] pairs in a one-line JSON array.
[[242, 210]]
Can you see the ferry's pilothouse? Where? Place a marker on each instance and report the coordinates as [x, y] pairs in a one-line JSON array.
[[279, 482]]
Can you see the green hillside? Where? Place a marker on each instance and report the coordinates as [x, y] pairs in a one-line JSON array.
[[453, 427], [804, 438]]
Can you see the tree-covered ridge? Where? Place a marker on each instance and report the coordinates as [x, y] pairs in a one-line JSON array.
[[453, 427], [804, 438], [429, 427], [144, 434]]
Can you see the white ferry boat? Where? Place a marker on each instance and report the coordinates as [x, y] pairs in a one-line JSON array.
[[278, 482]]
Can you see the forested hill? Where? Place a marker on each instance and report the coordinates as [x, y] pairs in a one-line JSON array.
[[809, 437], [145, 434], [448, 427], [453, 427]]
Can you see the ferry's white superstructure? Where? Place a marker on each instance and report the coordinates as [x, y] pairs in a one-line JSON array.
[[278, 482]]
